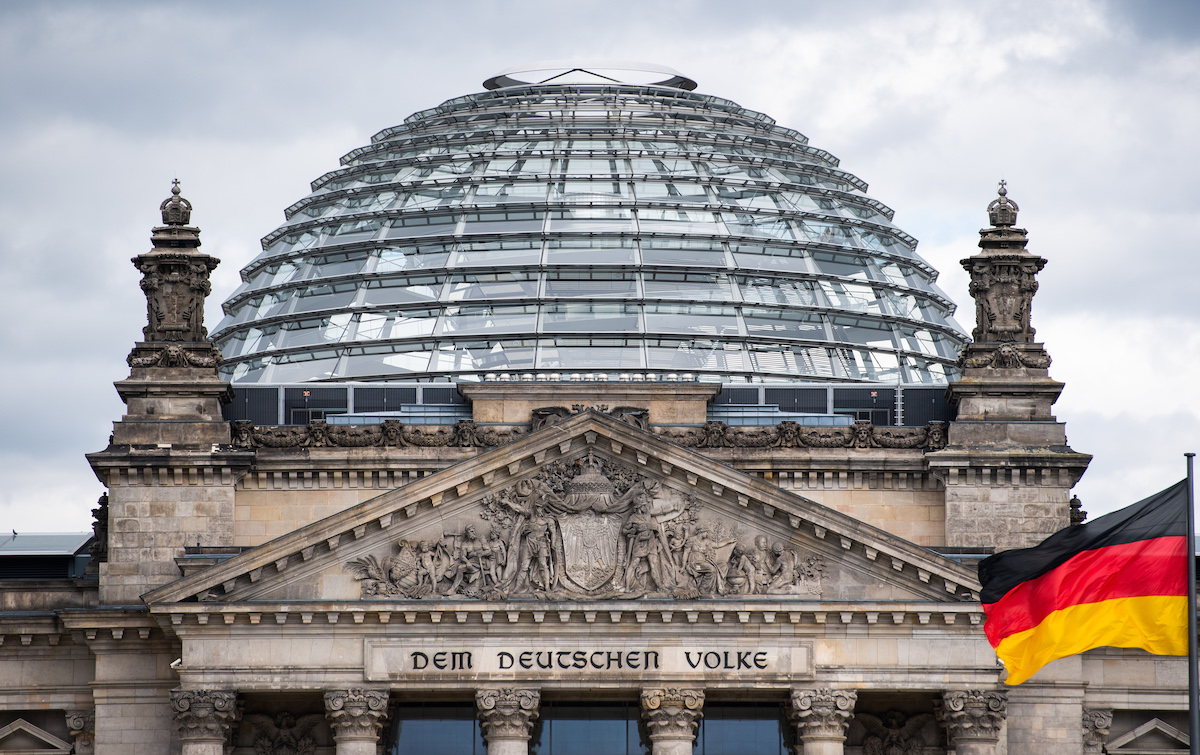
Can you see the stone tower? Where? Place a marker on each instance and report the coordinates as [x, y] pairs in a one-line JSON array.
[[1007, 467], [169, 469]]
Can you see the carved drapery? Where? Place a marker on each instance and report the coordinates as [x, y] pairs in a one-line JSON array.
[[507, 713], [82, 726], [356, 714], [972, 715], [822, 714], [672, 712], [205, 715], [592, 529], [1097, 723]]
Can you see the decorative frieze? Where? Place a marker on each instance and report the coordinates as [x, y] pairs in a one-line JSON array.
[[356, 714], [507, 712], [591, 529], [822, 713], [672, 712], [861, 435], [1097, 722], [390, 433], [972, 715], [205, 715]]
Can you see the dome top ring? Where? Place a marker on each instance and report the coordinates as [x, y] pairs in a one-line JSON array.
[[590, 72]]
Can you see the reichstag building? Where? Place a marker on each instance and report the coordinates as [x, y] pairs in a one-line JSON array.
[[584, 415]]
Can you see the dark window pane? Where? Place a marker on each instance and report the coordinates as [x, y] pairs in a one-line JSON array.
[[448, 729], [588, 729], [741, 729]]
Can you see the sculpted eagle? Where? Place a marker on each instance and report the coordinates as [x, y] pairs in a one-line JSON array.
[[894, 733], [284, 734]]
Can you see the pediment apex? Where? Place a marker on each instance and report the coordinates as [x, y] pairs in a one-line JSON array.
[[52, 743], [588, 434]]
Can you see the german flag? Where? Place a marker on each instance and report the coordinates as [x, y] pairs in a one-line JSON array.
[[1119, 580]]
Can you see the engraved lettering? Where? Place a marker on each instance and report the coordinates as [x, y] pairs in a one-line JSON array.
[[712, 660], [506, 659], [559, 658], [743, 660], [419, 661], [460, 660], [527, 660], [687, 656], [548, 663], [614, 657], [632, 660], [592, 660], [579, 660], [760, 660], [648, 655], [439, 661]]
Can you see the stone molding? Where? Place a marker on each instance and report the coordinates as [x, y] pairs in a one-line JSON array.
[[82, 726], [822, 713], [205, 715], [1097, 723], [391, 433], [672, 712], [507, 712], [356, 713], [972, 714], [787, 434]]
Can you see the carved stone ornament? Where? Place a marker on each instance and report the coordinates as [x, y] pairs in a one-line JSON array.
[[972, 714], [205, 714], [1004, 356], [390, 433], [672, 713], [893, 733], [176, 285], [590, 529], [356, 713], [551, 415], [1097, 723], [284, 734], [822, 713], [82, 726], [789, 434], [507, 713], [175, 355]]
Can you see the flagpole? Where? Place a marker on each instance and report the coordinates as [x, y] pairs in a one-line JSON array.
[[1193, 671]]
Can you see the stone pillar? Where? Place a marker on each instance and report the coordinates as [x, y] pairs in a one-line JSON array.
[[1096, 725], [508, 716], [671, 716], [821, 717], [82, 726], [356, 718], [972, 719], [205, 719]]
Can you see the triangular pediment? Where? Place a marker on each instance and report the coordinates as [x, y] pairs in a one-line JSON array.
[[589, 508], [21, 737], [1155, 736]]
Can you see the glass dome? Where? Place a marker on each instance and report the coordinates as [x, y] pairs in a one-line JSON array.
[[555, 229]]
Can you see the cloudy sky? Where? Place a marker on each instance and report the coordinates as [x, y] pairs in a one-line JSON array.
[[1088, 109]]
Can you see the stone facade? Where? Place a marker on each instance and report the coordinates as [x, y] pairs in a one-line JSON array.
[[300, 590]]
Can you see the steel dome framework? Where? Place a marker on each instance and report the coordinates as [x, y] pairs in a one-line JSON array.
[[608, 229]]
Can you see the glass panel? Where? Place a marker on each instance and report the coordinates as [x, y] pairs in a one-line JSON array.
[[518, 166], [774, 323], [665, 167], [412, 258], [790, 360], [590, 317], [844, 265], [853, 296], [731, 170], [501, 355], [609, 219], [828, 233], [862, 331], [750, 198], [763, 257], [519, 319], [611, 285], [325, 296], [761, 290], [512, 221], [421, 225], [673, 192], [758, 225], [588, 729], [586, 189], [682, 252], [702, 319], [357, 230], [590, 251], [709, 356], [292, 368], [500, 285], [590, 354], [499, 252], [416, 288], [691, 286], [742, 729], [431, 196], [378, 326], [584, 166], [345, 263], [510, 192], [383, 360], [318, 331]]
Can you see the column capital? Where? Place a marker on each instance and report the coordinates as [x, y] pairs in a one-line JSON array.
[[972, 714], [204, 714], [82, 726], [822, 713], [356, 714], [1096, 725], [507, 712], [672, 712]]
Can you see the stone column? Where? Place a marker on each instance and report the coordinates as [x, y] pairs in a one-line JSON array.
[[82, 726], [356, 718], [671, 716], [1096, 725], [508, 716], [821, 717], [973, 719], [205, 719]]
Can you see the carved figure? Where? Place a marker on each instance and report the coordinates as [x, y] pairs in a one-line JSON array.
[[893, 733], [649, 566], [284, 734], [546, 416], [787, 435], [631, 415]]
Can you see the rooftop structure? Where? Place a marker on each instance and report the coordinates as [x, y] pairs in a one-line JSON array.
[[588, 218]]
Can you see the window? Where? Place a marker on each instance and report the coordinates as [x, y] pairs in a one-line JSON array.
[[436, 729], [743, 729], [588, 729]]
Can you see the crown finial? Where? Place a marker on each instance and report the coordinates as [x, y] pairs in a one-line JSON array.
[[175, 209], [1002, 212]]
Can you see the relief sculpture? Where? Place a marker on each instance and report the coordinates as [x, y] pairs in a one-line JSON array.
[[591, 529]]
